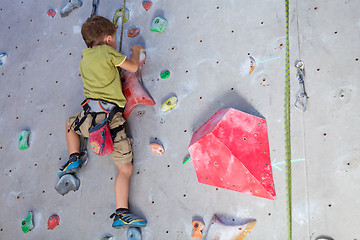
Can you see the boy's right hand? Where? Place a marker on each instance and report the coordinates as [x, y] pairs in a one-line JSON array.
[[137, 48]]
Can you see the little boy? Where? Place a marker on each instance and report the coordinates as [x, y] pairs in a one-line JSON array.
[[103, 93]]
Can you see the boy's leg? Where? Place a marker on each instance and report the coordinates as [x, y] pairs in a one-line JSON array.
[[72, 140], [73, 144], [122, 215], [122, 185], [122, 156]]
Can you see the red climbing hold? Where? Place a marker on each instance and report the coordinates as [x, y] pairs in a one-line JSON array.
[[53, 221], [133, 89], [146, 5], [231, 151], [51, 12]]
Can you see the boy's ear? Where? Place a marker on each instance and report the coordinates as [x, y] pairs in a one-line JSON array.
[[107, 39]]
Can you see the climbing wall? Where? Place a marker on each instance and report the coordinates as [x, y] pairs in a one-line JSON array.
[[206, 48]]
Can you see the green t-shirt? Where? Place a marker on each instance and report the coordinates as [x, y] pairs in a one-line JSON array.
[[100, 75]]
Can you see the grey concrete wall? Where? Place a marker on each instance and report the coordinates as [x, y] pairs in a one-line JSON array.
[[205, 47]]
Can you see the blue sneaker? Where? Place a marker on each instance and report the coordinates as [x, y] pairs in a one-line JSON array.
[[126, 219], [71, 166]]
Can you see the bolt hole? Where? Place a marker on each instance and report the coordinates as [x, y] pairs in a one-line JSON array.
[[153, 202], [200, 97], [31, 89], [94, 213], [186, 71], [232, 88], [168, 166], [200, 40], [167, 231], [318, 69], [111, 178], [330, 205], [245, 139], [324, 134], [217, 7], [35, 164], [356, 59], [348, 164], [43, 191], [184, 195], [335, 32], [262, 23], [187, 17], [269, 214]]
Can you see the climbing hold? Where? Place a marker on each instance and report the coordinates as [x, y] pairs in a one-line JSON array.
[[108, 237], [157, 148], [3, 59], [53, 221], [187, 159], [158, 24], [27, 224], [133, 233], [220, 231], [51, 13], [252, 64], [165, 74], [67, 183], [70, 6], [24, 139], [231, 151], [169, 104], [122, 13], [147, 4], [198, 227], [133, 32], [133, 90]]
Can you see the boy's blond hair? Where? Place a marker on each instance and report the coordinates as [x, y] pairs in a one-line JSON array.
[[95, 29]]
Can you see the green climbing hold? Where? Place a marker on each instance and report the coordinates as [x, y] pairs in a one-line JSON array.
[[158, 25], [24, 139], [187, 159], [109, 237], [27, 224], [122, 13], [169, 104], [165, 74]]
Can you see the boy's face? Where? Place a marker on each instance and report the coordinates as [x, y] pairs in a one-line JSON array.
[[110, 40]]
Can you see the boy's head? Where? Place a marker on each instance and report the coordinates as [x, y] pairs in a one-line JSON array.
[[97, 30]]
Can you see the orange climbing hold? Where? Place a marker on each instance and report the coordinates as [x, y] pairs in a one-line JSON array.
[[252, 64], [157, 148], [198, 228], [133, 32]]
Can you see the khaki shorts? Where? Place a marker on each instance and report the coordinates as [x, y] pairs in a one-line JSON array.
[[122, 148]]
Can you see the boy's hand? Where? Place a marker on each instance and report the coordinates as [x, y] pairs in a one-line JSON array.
[[137, 48]]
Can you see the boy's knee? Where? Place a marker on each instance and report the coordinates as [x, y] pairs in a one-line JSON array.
[[125, 169]]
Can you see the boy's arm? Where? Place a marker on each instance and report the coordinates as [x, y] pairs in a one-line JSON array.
[[132, 64]]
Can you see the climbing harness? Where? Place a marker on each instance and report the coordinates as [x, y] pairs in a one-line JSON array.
[[301, 98], [100, 135], [287, 127], [95, 5]]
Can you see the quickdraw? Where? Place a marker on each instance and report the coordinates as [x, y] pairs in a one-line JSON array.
[[301, 98]]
